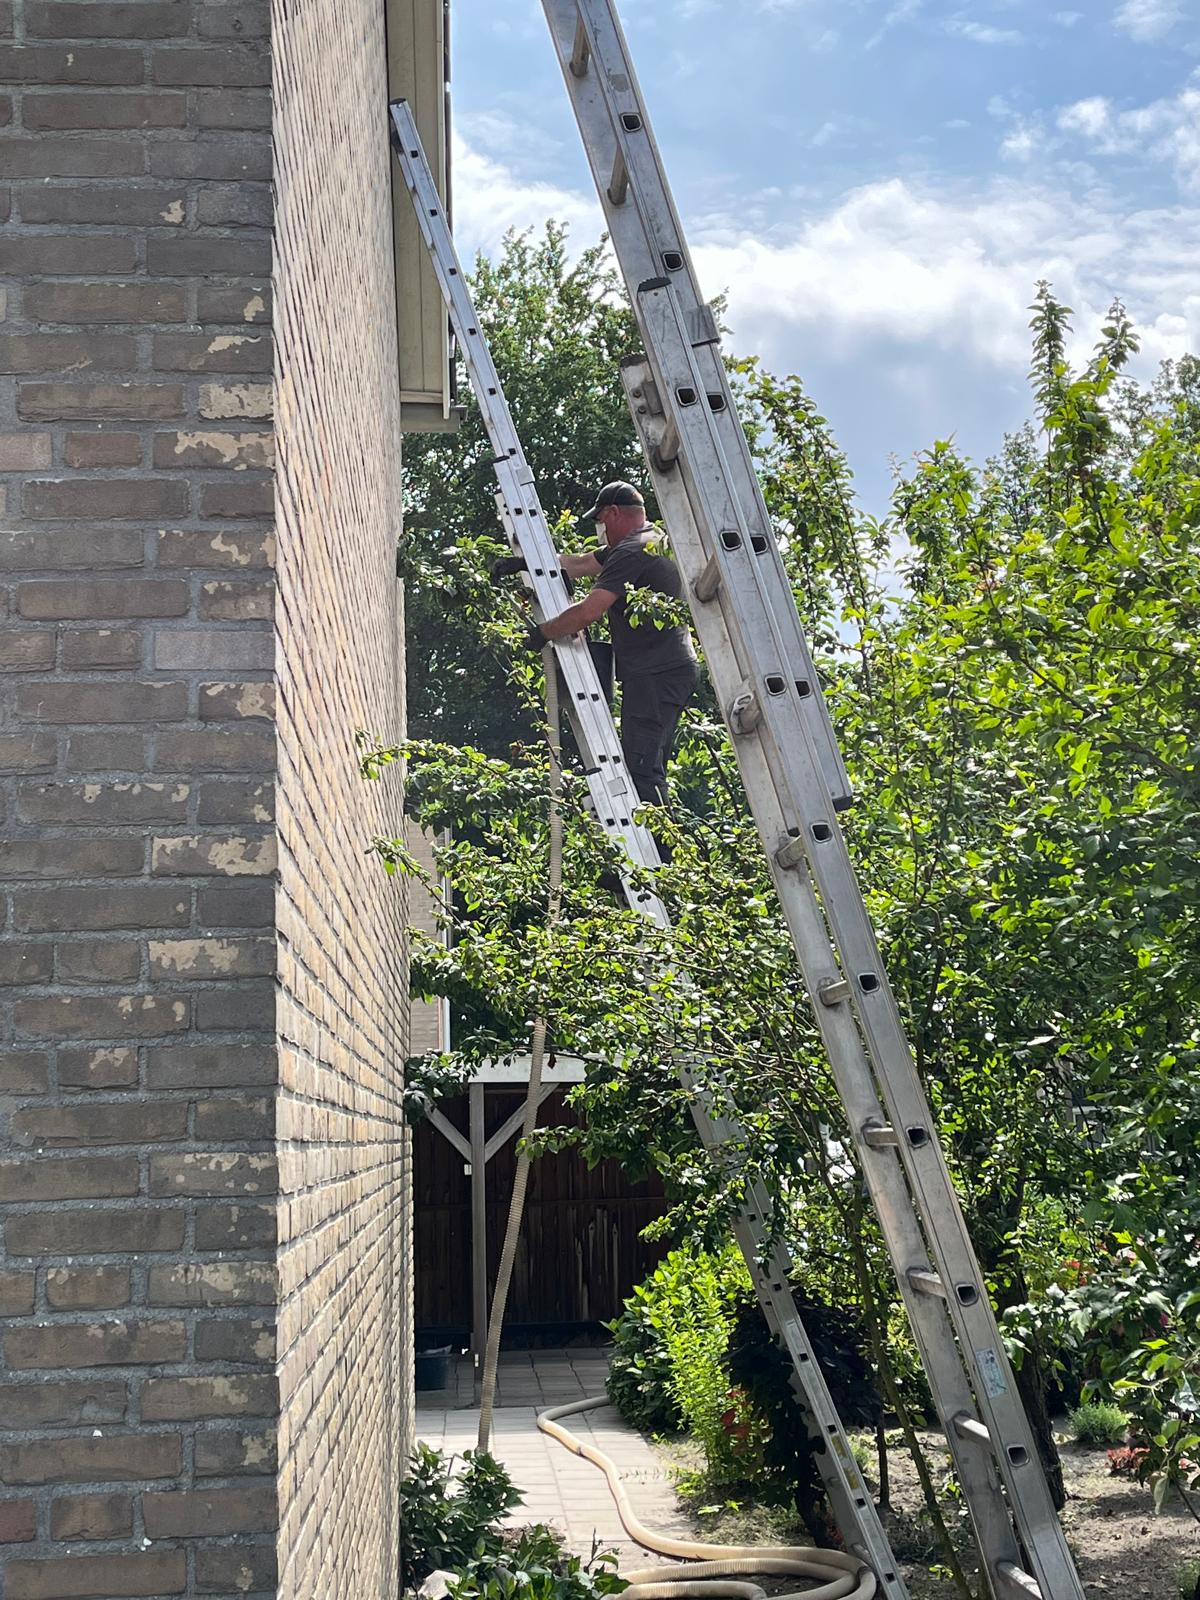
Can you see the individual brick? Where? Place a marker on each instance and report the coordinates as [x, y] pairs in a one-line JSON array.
[[140, 301], [74, 702], [24, 452], [209, 1513], [203, 352], [72, 158], [53, 600], [66, 253], [16, 1293], [207, 855], [95, 1232], [65, 352], [103, 647], [29, 650], [23, 963], [113, 1068], [112, 499], [236, 802], [220, 1066], [91, 549], [95, 909], [222, 601], [234, 451], [241, 160], [27, 752], [234, 110], [226, 1569], [102, 450], [68, 113], [87, 1288], [239, 548], [115, 1343], [193, 1399], [233, 1227], [239, 1340], [248, 20], [199, 648], [184, 959], [102, 803], [248, 1008], [218, 400], [99, 961], [31, 1179], [246, 499], [212, 1283], [231, 68], [24, 1072], [18, 1521], [232, 1453], [234, 303], [126, 1122], [238, 702], [43, 1404], [96, 19], [113, 750], [212, 1173], [133, 205], [70, 858], [250, 905], [191, 255], [141, 1016], [64, 402], [128, 1576], [96, 67], [91, 1516], [108, 1459], [241, 205]]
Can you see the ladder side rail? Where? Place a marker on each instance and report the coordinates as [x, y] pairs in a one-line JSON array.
[[648, 240], [783, 737], [883, 1172]]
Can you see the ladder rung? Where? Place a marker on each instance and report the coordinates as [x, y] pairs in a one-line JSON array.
[[709, 580], [666, 452], [1015, 1581], [618, 184], [968, 1427], [832, 991], [581, 51], [879, 1135], [926, 1282], [745, 712]]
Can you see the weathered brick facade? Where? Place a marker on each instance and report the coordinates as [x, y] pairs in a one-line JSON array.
[[205, 1238]]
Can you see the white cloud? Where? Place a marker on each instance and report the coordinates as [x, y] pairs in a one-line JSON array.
[[1166, 131], [1147, 20], [981, 33], [489, 199], [1066, 19], [1022, 142]]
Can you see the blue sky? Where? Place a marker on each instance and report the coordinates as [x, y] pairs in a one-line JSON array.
[[878, 184]]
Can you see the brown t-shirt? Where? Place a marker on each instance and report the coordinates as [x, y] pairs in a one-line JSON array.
[[640, 562]]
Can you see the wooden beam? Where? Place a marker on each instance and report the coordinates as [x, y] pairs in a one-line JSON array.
[[479, 1295], [513, 1125], [449, 1132]]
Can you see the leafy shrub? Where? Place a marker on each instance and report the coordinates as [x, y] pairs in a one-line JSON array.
[[1187, 1580], [1098, 1422], [680, 1316], [534, 1566], [448, 1523]]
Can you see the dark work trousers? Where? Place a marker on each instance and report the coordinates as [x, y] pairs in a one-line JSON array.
[[651, 706]]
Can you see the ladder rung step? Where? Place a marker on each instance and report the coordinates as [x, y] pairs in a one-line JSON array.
[[666, 452], [926, 1282], [792, 854], [833, 991], [709, 580], [879, 1135], [970, 1428], [745, 712], [581, 51], [1014, 1581], [618, 184]]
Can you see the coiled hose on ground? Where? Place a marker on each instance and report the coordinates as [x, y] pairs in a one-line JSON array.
[[709, 1570]]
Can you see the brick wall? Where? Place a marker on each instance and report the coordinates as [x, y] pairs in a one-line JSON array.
[[344, 1231], [155, 1076]]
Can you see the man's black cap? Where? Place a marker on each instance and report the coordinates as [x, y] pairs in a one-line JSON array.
[[614, 494]]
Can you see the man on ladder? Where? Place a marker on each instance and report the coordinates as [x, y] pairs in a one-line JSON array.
[[656, 662]]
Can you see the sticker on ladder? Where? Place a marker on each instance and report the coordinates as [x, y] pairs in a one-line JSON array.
[[992, 1373]]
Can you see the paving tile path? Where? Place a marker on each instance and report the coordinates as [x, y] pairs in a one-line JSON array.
[[559, 1488]]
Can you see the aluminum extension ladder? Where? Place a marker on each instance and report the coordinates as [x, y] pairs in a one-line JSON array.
[[745, 617]]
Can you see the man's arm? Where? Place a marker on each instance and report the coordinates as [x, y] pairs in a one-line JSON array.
[[577, 617], [584, 566]]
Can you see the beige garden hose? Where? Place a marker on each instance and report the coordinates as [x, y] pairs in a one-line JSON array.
[[516, 1207], [846, 1577]]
